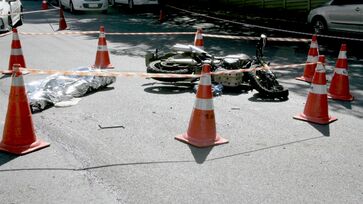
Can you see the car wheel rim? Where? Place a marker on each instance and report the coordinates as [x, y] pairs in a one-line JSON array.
[[319, 27]]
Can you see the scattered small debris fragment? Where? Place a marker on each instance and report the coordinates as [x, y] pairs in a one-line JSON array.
[[109, 127], [217, 89]]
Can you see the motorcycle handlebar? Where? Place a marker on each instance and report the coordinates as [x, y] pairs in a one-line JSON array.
[[260, 46]]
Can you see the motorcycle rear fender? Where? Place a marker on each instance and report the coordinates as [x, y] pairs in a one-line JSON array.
[[188, 48], [238, 56], [184, 61]]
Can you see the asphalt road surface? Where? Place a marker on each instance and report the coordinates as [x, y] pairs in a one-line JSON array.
[[270, 157]]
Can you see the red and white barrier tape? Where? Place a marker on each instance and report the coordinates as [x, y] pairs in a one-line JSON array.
[[97, 32], [256, 38], [30, 12], [189, 33], [5, 34], [262, 27], [142, 74], [167, 33], [106, 73], [259, 68]]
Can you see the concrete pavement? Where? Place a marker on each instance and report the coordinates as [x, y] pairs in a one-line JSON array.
[[271, 158]]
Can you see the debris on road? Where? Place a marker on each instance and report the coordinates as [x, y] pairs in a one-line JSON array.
[[217, 89], [110, 127]]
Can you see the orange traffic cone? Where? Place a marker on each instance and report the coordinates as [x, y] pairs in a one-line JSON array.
[[202, 125], [62, 21], [16, 56], [18, 134], [339, 86], [316, 107], [102, 57], [44, 5], [311, 61], [198, 40]]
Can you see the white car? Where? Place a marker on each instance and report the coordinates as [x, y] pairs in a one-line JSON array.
[[338, 15], [85, 5], [14, 8], [132, 3]]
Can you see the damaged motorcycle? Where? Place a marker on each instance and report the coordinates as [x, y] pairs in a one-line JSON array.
[[188, 59]]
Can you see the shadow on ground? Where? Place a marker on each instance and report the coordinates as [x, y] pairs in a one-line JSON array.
[[6, 157], [200, 155]]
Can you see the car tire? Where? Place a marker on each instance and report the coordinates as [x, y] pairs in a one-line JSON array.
[[10, 21], [319, 25], [71, 8], [21, 15], [20, 22], [130, 4]]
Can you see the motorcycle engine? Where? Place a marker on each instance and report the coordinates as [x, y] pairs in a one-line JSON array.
[[231, 62], [227, 79]]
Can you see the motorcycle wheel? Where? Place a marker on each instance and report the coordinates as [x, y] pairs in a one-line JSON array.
[[267, 85], [156, 67]]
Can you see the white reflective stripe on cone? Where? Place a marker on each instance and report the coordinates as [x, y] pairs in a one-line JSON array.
[[199, 37], [320, 68], [342, 55], [341, 71], [15, 37], [16, 51], [314, 45], [102, 35], [102, 48], [318, 89], [313, 58], [203, 104], [205, 79], [18, 81]]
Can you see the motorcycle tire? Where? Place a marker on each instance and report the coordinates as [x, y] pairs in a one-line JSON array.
[[156, 67], [267, 85]]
